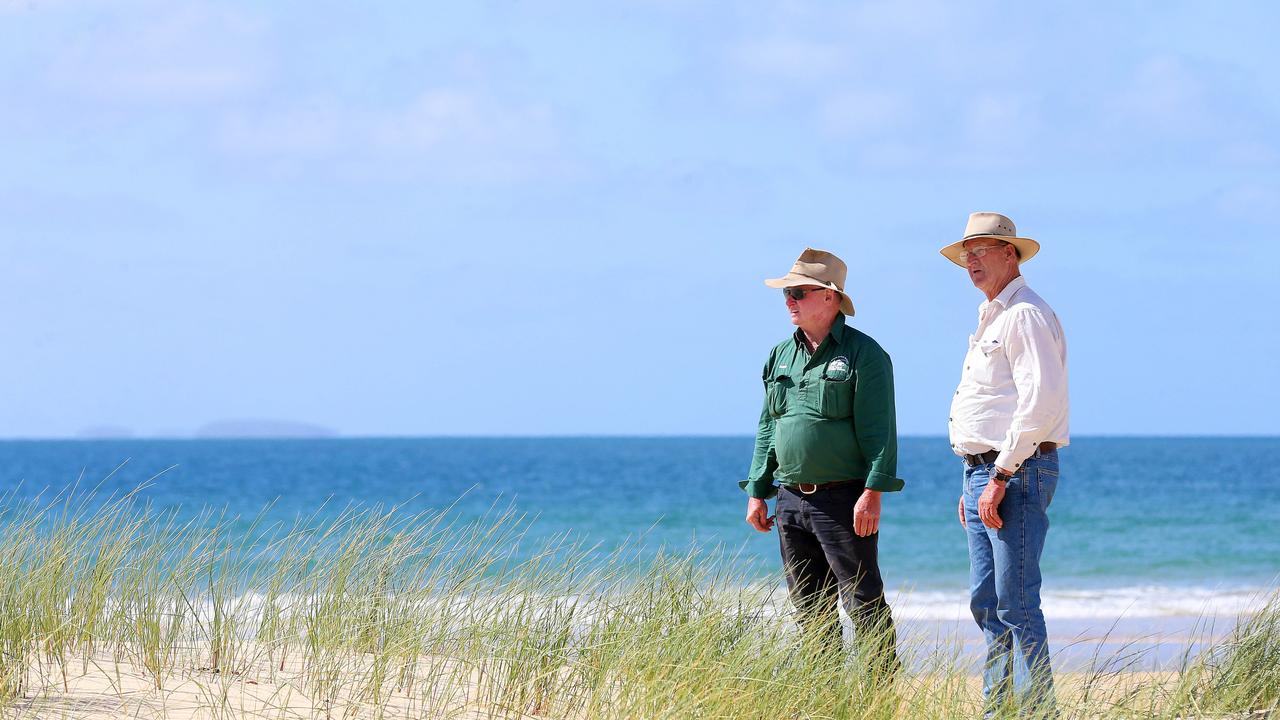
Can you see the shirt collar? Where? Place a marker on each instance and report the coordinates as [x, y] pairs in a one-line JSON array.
[[1006, 295], [836, 333]]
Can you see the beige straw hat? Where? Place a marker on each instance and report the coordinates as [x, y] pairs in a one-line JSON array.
[[995, 226], [817, 267]]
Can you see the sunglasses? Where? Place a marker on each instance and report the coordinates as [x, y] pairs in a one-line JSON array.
[[798, 294]]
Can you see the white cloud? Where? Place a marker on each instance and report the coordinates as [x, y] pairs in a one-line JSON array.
[[896, 153], [1164, 95], [1247, 153], [1176, 109], [27, 6], [1001, 126], [1253, 202], [312, 128], [446, 116], [912, 84], [895, 84], [851, 114], [790, 59], [164, 53], [442, 132], [907, 23]]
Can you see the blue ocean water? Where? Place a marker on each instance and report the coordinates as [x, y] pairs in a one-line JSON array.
[[1138, 524]]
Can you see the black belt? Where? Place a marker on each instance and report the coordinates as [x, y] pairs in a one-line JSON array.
[[989, 456], [811, 488]]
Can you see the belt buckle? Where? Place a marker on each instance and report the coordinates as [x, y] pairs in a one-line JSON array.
[[812, 488]]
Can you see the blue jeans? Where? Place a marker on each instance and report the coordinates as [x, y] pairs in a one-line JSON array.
[[1004, 583]]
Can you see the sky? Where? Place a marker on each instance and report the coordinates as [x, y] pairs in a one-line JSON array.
[[528, 218]]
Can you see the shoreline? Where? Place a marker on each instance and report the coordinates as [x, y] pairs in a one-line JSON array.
[[1127, 645]]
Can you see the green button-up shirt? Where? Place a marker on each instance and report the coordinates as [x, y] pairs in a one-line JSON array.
[[828, 416]]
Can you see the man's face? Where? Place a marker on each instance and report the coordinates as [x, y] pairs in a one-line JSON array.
[[991, 263], [813, 306]]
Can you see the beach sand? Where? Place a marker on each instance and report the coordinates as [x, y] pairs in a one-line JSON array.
[[1127, 644], [1108, 660], [106, 691], [107, 687]]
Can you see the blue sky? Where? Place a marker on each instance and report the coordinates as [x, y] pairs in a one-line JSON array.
[[554, 218]]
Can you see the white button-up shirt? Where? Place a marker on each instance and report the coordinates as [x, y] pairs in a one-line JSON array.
[[1013, 389]]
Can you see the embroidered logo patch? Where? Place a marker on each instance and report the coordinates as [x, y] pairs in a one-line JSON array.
[[837, 369]]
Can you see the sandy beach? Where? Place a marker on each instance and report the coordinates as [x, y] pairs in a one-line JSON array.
[[104, 689], [1128, 657], [1125, 644]]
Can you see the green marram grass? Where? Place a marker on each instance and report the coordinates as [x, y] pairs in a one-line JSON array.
[[379, 612]]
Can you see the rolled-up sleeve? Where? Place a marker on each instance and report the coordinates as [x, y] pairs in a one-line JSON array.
[[874, 419], [1037, 361]]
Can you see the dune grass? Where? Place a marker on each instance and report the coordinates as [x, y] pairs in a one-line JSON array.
[[378, 612]]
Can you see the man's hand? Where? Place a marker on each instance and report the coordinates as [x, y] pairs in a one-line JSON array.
[[866, 513], [963, 524], [758, 515], [989, 503]]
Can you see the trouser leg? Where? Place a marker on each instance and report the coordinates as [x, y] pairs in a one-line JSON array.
[[854, 561], [810, 582], [1017, 548], [1005, 586], [983, 599]]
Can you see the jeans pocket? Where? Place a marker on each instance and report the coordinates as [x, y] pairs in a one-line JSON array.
[[1048, 466], [1048, 483], [786, 501], [976, 479], [1023, 485]]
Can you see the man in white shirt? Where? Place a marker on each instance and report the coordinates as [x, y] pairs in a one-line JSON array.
[[1008, 419]]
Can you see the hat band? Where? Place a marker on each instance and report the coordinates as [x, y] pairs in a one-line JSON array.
[[990, 235], [820, 282]]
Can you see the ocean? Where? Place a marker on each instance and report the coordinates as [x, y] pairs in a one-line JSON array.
[[1141, 527]]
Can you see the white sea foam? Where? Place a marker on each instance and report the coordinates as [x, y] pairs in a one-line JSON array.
[[1141, 601]]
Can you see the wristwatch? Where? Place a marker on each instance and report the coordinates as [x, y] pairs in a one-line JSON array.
[[1002, 477]]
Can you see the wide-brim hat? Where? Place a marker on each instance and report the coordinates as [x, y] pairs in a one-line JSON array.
[[817, 267], [994, 226]]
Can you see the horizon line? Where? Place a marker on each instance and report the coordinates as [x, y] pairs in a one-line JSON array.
[[572, 436]]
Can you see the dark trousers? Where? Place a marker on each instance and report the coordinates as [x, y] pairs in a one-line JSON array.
[[824, 560]]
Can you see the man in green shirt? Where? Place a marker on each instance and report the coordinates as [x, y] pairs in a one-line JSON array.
[[828, 437]]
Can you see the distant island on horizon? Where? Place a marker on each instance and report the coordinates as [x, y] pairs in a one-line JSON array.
[[238, 428]]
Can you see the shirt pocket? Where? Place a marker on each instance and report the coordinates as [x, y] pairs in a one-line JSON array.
[[988, 358], [835, 397], [776, 394]]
